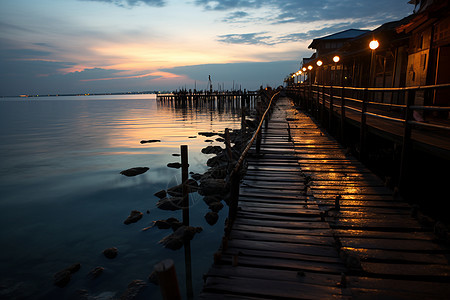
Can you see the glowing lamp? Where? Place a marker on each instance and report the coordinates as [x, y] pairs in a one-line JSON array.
[[374, 44], [310, 67], [303, 69], [319, 63], [336, 59]]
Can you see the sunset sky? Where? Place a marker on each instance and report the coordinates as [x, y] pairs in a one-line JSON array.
[[92, 46]]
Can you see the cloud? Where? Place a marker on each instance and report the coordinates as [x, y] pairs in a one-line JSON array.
[[27, 71], [130, 3], [307, 11], [235, 17], [288, 11], [228, 4], [246, 38]]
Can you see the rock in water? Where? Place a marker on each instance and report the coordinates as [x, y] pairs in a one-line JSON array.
[[179, 237], [207, 134], [212, 150], [211, 217], [150, 141], [110, 252], [134, 216], [134, 289], [161, 194], [169, 223], [96, 272], [134, 171], [171, 203], [177, 191], [175, 165], [62, 278], [211, 186]]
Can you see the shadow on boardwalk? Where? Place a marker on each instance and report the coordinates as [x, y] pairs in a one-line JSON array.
[[291, 241]]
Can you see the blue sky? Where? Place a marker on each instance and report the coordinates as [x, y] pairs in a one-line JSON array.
[[92, 46]]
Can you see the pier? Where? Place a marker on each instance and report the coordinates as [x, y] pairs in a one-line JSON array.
[[310, 221], [194, 98]]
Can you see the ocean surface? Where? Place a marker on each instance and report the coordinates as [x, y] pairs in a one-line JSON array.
[[63, 199]]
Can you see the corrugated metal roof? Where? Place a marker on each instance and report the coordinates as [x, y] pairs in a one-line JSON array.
[[346, 34]]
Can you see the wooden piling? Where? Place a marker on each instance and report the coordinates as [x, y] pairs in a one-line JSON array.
[[184, 179], [406, 146], [363, 128], [167, 280]]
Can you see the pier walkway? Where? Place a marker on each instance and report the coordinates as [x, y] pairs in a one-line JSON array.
[[314, 223]]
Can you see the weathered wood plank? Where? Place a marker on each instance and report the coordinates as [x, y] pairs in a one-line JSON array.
[[274, 274], [281, 237], [269, 288]]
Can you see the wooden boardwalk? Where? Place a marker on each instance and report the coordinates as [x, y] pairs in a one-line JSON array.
[[289, 241]]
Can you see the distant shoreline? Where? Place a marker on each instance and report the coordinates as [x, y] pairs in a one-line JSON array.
[[82, 94]]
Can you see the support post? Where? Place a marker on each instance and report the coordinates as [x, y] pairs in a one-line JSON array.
[[184, 179], [322, 110], [167, 280], [343, 116], [363, 129], [406, 148], [228, 144], [330, 112], [234, 201]]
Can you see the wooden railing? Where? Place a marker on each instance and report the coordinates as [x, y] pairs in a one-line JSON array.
[[325, 102], [233, 180]]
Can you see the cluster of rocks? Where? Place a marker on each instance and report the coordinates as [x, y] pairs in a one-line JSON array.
[[62, 278]]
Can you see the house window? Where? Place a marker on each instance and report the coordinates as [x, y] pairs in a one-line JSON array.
[[442, 30]]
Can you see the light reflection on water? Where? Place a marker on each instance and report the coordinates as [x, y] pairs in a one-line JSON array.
[[62, 199]]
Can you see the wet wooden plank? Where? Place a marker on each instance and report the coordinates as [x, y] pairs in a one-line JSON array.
[[269, 288], [282, 237], [276, 275], [396, 256], [311, 265], [269, 229], [292, 224], [417, 271], [315, 250]]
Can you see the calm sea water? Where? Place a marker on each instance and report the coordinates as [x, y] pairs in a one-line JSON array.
[[62, 199]]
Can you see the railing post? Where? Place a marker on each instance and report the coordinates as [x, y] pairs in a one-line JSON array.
[[233, 200], [363, 129], [184, 180], [258, 142], [406, 147], [343, 115], [321, 106], [330, 112]]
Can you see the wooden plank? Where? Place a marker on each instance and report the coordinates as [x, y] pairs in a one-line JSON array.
[[384, 234], [281, 237], [315, 250], [304, 213], [267, 217], [396, 256], [310, 265], [293, 224], [269, 288], [391, 244], [419, 289], [407, 270], [275, 275], [269, 229]]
